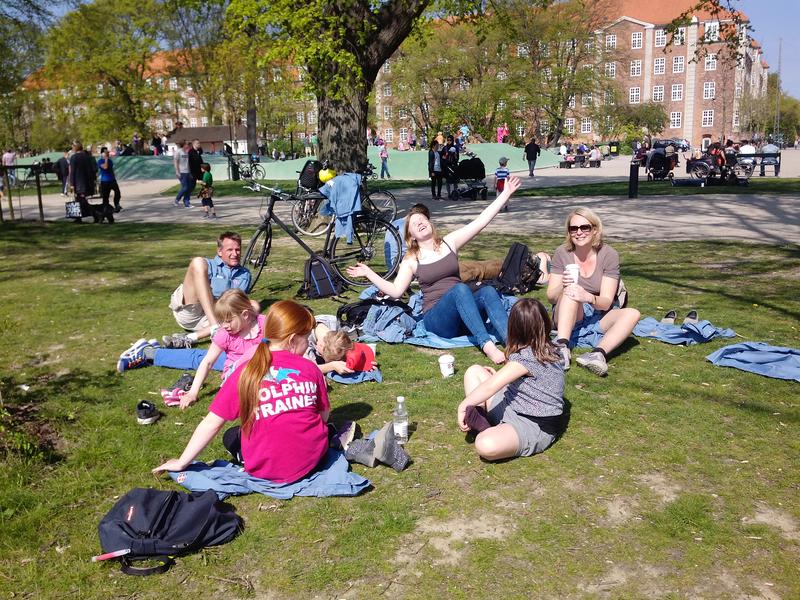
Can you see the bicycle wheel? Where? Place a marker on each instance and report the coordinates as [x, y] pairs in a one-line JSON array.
[[306, 218], [255, 256], [258, 172], [700, 170], [373, 242], [383, 202]]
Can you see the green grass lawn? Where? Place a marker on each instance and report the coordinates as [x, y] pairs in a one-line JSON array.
[[674, 479], [757, 185]]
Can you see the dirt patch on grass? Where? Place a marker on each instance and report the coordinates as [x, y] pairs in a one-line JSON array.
[[619, 510], [780, 520], [24, 433], [659, 485], [647, 578]]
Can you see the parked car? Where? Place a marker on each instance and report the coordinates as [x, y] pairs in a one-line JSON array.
[[680, 145]]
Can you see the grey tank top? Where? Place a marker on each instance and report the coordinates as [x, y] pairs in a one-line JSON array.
[[436, 278]]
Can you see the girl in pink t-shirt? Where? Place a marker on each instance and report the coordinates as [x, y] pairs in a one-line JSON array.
[[241, 330], [279, 397]]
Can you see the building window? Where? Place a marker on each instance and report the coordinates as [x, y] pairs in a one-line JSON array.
[[586, 125], [586, 99], [658, 93], [544, 126], [402, 113], [169, 124], [388, 135], [708, 118], [204, 121], [711, 62], [738, 91], [193, 122], [173, 83], [636, 40], [502, 75], [660, 66], [463, 84], [636, 68], [501, 104], [661, 38], [677, 92], [679, 37], [569, 125], [301, 74], [608, 98], [736, 118], [192, 102], [709, 90], [634, 95], [571, 102], [276, 75], [387, 112], [301, 117], [403, 134], [611, 40], [678, 64], [159, 124], [611, 70], [387, 90], [522, 50], [674, 120], [548, 73], [520, 130], [712, 31], [167, 105], [387, 67], [312, 117]]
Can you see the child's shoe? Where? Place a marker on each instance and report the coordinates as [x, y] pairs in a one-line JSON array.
[[146, 413]]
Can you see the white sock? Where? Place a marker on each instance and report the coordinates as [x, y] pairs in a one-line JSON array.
[[192, 336]]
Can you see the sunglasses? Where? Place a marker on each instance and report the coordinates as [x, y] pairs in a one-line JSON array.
[[576, 228]]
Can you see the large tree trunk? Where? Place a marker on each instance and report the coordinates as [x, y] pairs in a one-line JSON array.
[[342, 131]]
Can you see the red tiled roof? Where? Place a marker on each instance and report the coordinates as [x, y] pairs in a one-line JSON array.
[[658, 12]]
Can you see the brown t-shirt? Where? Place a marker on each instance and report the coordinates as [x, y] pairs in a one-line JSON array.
[[607, 266], [436, 278]]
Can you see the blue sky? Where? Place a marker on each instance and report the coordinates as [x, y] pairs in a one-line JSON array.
[[772, 20]]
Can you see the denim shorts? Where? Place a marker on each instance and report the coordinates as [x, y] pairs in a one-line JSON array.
[[532, 440]]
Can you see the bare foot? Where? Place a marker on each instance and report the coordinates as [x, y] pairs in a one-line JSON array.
[[494, 353]]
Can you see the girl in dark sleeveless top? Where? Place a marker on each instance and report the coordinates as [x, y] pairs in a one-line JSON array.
[[449, 307]]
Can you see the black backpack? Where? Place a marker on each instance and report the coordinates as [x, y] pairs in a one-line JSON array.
[[319, 280], [159, 524], [352, 316], [519, 273]]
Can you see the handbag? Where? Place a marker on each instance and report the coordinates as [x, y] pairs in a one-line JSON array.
[[73, 209]]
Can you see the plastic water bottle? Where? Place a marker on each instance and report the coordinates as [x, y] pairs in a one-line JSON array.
[[401, 421]]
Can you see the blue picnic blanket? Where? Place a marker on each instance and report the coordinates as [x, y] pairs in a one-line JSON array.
[[688, 333], [760, 358], [332, 477], [357, 377]]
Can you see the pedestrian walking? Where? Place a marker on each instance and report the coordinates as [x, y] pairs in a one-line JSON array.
[[531, 153], [384, 156]]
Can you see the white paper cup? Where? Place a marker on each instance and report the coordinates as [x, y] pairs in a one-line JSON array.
[[447, 365], [573, 271]]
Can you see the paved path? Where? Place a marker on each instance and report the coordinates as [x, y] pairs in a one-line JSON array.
[[747, 216]]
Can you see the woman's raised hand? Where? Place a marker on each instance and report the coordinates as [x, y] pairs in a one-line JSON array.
[[359, 270], [512, 184]]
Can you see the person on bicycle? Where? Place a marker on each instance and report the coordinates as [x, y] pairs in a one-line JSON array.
[[449, 307]]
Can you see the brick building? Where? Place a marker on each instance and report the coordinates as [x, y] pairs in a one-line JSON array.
[[700, 85]]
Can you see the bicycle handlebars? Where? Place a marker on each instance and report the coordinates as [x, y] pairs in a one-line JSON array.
[[254, 186]]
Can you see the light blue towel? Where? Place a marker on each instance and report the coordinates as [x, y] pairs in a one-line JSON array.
[[344, 193], [688, 333], [331, 478], [760, 358]]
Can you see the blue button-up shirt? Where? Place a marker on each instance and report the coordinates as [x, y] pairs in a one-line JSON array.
[[222, 278]]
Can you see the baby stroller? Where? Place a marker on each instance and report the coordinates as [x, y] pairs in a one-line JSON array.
[[467, 178], [660, 165]]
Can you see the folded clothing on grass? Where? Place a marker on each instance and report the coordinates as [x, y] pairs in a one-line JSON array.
[[760, 358], [688, 333]]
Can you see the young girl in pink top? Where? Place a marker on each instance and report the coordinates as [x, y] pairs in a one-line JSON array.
[[280, 399], [241, 330]]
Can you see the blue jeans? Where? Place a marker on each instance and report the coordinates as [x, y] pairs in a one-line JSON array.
[[384, 168], [185, 359], [187, 183], [459, 308]]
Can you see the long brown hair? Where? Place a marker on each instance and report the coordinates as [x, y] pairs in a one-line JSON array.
[[411, 243], [284, 318], [529, 326]]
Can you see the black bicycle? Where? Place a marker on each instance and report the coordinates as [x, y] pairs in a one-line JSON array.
[[307, 219], [375, 242]]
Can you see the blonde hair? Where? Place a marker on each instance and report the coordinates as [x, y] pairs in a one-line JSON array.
[[335, 345], [284, 319], [232, 304], [597, 227], [411, 243]]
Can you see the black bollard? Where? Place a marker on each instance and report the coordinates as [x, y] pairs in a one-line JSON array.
[[633, 180]]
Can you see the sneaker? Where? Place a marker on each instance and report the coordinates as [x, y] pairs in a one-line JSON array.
[[135, 347], [146, 413], [134, 360], [205, 215], [566, 356], [184, 382], [594, 362], [340, 437], [177, 340], [189, 205], [214, 216], [178, 203]]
